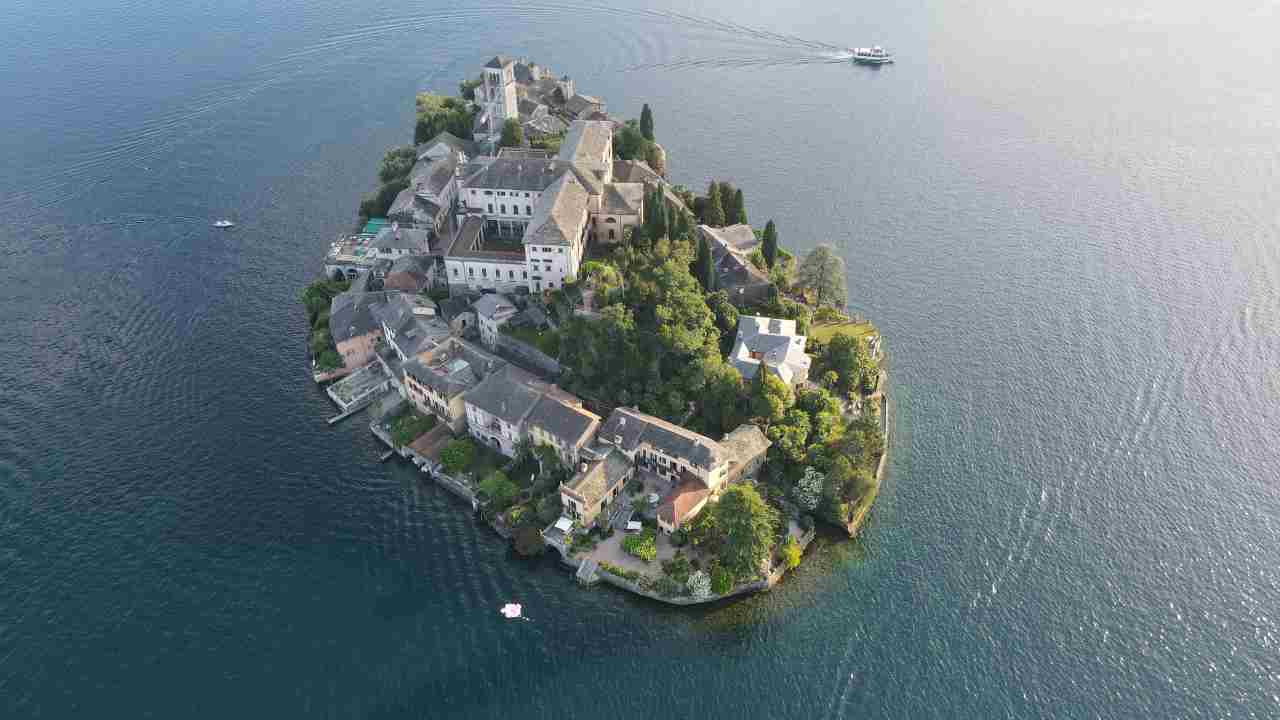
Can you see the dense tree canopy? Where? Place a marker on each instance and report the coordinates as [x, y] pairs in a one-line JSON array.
[[746, 527], [438, 113], [713, 213], [396, 164], [646, 122]]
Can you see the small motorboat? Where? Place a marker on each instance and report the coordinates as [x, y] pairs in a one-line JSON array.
[[224, 224], [871, 56]]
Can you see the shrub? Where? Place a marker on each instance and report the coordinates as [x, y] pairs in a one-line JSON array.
[[668, 587], [721, 579], [679, 538], [612, 569], [806, 522], [500, 489], [410, 426], [329, 360], [677, 568], [790, 554], [457, 455], [641, 545], [699, 585]]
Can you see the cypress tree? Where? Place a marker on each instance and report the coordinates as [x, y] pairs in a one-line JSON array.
[[770, 249], [740, 209], [660, 223], [714, 213], [706, 272], [726, 202], [646, 122]]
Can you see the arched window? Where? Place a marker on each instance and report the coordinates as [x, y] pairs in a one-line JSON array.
[[610, 220], [611, 235]]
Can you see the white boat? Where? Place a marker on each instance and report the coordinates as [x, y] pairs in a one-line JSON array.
[[871, 56], [224, 224]]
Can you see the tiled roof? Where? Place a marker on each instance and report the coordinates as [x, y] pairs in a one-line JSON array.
[[503, 394], [351, 314], [736, 238], [587, 142], [636, 428], [499, 61], [492, 304], [401, 238], [680, 502], [571, 424], [744, 443], [634, 171], [602, 475], [560, 214], [775, 340], [623, 198]]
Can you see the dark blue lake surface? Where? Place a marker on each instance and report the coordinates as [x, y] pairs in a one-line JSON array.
[[1064, 219]]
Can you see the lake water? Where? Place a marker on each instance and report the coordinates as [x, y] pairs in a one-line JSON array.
[[1064, 218]]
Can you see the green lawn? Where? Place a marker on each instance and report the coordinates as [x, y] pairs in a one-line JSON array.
[[824, 333], [548, 341]]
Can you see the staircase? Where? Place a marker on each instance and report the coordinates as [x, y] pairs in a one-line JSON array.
[[587, 572]]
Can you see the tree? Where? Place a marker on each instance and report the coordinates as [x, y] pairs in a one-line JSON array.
[[529, 541], [830, 379], [657, 158], [396, 163], [747, 524], [376, 205], [721, 395], [512, 134], [727, 197], [699, 585], [739, 209], [770, 244], [457, 455], [628, 143], [790, 554], [721, 579], [438, 113], [726, 314], [467, 88], [846, 357], [499, 488], [646, 122], [808, 489], [790, 435], [704, 269], [713, 215], [655, 213], [822, 273], [770, 397]]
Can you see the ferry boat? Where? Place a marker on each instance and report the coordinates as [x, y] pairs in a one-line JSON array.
[[871, 56], [224, 224]]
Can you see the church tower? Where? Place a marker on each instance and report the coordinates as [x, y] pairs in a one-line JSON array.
[[497, 94]]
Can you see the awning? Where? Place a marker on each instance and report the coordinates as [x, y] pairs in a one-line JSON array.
[[564, 524], [634, 526]]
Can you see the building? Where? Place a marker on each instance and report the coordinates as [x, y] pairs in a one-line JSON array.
[[496, 98], [393, 241], [510, 406], [354, 326], [747, 446], [731, 249], [772, 343], [492, 312], [599, 478], [682, 504], [666, 449], [436, 381], [524, 208], [410, 274]]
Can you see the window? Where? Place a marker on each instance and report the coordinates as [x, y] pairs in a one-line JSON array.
[[511, 274], [528, 209], [501, 194], [610, 220], [526, 194], [455, 272], [560, 250], [471, 272], [490, 207], [484, 272], [503, 208], [611, 234], [524, 275], [488, 192]]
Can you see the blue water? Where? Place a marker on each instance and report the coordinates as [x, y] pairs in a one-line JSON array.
[[1064, 218]]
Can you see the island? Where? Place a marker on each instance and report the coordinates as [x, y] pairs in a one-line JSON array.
[[597, 360]]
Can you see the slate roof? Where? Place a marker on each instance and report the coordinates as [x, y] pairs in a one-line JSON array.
[[409, 239], [582, 104], [351, 314], [499, 61], [503, 394], [781, 349], [637, 428], [403, 205], [587, 142], [414, 267], [448, 139], [560, 214], [430, 177], [452, 307], [502, 173], [491, 304], [736, 238], [602, 474], [573, 425], [623, 198], [744, 443], [634, 171]]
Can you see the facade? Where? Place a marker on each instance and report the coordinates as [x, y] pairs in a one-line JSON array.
[[599, 478], [496, 96], [747, 446], [492, 312], [667, 450], [354, 326], [510, 406], [436, 381], [771, 343], [563, 424]]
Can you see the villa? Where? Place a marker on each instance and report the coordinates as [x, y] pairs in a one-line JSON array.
[[773, 344]]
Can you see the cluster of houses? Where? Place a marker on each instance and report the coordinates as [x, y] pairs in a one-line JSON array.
[[497, 227]]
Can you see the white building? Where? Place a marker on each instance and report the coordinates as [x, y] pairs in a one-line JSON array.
[[771, 343], [496, 96], [492, 312]]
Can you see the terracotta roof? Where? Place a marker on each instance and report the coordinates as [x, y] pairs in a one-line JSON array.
[[677, 506]]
